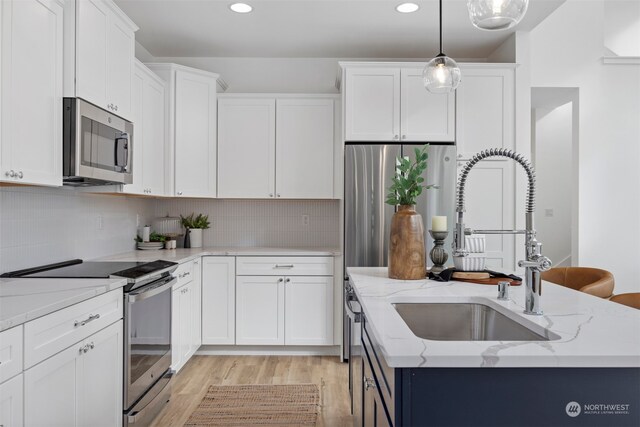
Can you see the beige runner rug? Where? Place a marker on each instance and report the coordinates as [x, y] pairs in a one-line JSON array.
[[258, 405]]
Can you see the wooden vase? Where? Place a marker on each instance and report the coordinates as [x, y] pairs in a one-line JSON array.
[[406, 245]]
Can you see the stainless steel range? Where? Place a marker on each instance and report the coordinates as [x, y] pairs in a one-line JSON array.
[[147, 327]]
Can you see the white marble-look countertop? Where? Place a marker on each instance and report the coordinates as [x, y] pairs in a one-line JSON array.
[[593, 332], [22, 300], [183, 255]]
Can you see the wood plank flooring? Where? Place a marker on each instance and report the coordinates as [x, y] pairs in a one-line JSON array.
[[328, 372]]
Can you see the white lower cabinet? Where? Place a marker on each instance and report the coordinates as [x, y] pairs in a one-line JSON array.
[[11, 402], [80, 386], [186, 320], [308, 310], [218, 300], [260, 310]]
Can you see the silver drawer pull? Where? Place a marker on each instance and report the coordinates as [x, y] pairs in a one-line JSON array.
[[369, 383], [284, 265], [91, 318]]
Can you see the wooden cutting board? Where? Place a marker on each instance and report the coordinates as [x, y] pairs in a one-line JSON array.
[[491, 281]]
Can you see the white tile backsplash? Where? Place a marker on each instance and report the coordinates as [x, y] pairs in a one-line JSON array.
[[273, 223], [45, 225]]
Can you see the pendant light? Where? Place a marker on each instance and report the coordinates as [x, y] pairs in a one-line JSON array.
[[496, 14], [441, 74]]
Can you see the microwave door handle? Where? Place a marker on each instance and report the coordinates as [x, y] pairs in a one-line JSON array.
[[122, 152]]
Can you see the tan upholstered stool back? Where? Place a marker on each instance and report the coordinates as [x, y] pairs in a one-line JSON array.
[[592, 281]]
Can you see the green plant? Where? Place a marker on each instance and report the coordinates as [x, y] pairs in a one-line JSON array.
[[408, 183], [200, 221], [153, 237]]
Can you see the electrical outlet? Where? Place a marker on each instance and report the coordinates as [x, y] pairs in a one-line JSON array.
[[99, 222], [548, 213], [305, 220]]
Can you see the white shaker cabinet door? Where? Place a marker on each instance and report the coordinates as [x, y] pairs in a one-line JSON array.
[[100, 379], [154, 134], [137, 114], [309, 310], [11, 402], [196, 307], [490, 204], [246, 148], [195, 135], [260, 310], [218, 300], [485, 110], [425, 116], [120, 60], [31, 91], [372, 104], [304, 148], [92, 64], [51, 390]]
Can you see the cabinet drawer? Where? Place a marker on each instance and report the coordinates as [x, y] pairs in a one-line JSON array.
[[54, 332], [10, 353], [284, 266], [184, 273]]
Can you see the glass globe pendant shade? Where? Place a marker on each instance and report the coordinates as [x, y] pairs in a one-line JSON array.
[[441, 74], [496, 14]]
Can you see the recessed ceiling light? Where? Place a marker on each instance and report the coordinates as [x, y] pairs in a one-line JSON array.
[[407, 7], [241, 8]]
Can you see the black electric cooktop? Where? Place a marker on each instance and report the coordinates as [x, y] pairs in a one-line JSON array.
[[78, 269]]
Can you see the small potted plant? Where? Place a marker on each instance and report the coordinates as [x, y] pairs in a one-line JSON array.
[[407, 258], [194, 226]]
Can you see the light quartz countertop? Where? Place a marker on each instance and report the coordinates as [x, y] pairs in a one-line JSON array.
[[184, 255], [22, 300], [592, 332]]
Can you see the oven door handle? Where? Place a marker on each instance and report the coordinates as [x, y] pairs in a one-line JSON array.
[[150, 291]]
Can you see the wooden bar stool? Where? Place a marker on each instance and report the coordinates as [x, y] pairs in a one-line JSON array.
[[631, 299], [592, 281]]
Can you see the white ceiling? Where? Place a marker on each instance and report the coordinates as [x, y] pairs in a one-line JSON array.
[[315, 28]]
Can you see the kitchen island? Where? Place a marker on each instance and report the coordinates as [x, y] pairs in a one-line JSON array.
[[587, 354]]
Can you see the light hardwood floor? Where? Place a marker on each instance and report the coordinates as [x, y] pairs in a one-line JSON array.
[[328, 372]]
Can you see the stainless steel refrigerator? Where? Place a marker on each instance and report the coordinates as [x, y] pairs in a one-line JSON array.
[[368, 172]]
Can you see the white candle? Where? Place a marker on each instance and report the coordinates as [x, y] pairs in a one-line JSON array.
[[439, 223]]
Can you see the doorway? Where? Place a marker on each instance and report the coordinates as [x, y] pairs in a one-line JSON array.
[[554, 146]]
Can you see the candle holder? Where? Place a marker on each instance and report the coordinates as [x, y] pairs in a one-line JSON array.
[[437, 254]]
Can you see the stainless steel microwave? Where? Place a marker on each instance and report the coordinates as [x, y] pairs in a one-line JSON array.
[[97, 145]]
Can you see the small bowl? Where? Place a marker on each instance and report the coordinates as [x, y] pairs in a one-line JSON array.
[[471, 262], [475, 244]]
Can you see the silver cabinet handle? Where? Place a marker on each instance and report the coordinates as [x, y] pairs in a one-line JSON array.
[[91, 346], [20, 175], [280, 280], [116, 107], [287, 280], [179, 193], [369, 383], [284, 266], [404, 136], [278, 195], [395, 137], [91, 318], [10, 174], [270, 194]]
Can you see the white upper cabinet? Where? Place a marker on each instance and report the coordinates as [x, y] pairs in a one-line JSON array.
[[485, 109], [148, 100], [425, 116], [101, 71], [246, 148], [190, 163], [31, 91], [391, 104], [304, 148], [276, 148], [372, 104]]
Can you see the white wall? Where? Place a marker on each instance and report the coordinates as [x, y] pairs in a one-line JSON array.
[[552, 145], [40, 225], [622, 27], [567, 50]]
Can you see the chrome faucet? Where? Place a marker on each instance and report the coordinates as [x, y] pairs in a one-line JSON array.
[[535, 263]]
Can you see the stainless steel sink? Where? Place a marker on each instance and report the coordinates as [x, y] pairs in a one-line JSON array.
[[464, 322]]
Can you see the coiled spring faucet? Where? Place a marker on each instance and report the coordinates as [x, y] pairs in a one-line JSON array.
[[535, 263]]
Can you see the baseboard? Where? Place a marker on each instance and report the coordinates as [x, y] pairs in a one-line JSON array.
[[262, 350]]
